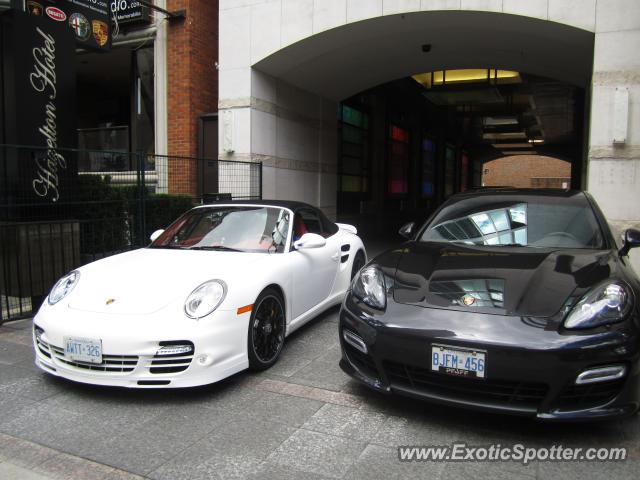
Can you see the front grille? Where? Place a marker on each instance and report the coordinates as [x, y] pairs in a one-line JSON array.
[[113, 364], [503, 392], [362, 361], [579, 397], [110, 363]]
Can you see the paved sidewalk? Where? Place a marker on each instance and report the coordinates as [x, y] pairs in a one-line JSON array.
[[302, 419], [23, 460]]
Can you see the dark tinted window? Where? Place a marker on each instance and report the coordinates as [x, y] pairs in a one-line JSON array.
[[312, 221], [328, 227]]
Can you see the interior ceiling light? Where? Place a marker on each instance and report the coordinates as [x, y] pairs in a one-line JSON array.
[[536, 140], [504, 136], [490, 76]]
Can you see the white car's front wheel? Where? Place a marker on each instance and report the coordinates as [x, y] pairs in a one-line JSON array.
[[266, 330]]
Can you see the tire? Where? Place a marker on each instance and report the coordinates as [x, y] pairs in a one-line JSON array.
[[267, 327], [358, 263]]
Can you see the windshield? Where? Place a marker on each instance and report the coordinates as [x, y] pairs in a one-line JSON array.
[[543, 222], [246, 229]]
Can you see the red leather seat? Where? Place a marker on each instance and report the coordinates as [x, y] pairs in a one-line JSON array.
[[299, 227]]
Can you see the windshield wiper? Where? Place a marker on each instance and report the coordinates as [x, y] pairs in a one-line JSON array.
[[216, 247], [178, 247]]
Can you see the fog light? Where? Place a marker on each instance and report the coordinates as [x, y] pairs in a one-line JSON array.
[[354, 340], [601, 374], [175, 350]]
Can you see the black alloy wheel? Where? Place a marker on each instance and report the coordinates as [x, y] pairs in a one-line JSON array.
[[266, 330]]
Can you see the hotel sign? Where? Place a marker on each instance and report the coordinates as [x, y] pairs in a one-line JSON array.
[[38, 82]]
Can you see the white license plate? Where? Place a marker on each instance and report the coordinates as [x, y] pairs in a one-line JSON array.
[[458, 361], [83, 349]]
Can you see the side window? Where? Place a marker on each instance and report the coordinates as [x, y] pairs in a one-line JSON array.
[[311, 221], [328, 227]]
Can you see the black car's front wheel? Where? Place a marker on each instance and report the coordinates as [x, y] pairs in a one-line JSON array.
[[266, 330]]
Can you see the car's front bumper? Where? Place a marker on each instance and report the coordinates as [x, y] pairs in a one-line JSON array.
[[533, 376], [130, 346]]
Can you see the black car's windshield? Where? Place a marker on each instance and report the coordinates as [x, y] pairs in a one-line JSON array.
[[530, 221], [244, 229]]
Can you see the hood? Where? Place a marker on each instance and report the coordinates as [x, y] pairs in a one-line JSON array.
[[146, 280], [503, 280]]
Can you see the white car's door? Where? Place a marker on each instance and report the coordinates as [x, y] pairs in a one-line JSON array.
[[313, 269]]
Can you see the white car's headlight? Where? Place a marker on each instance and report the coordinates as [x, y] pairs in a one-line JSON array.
[[63, 287], [205, 299], [609, 302], [369, 287]]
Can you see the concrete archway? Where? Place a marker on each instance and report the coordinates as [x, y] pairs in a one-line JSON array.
[[285, 64], [340, 62]]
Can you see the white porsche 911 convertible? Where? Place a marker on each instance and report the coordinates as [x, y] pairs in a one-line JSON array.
[[214, 294]]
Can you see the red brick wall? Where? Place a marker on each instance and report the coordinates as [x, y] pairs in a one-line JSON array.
[[192, 85], [526, 171]]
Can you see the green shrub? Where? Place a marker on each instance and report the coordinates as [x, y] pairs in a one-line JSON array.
[[101, 210], [110, 215]]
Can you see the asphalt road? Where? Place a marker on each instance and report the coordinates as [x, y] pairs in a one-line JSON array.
[[303, 418]]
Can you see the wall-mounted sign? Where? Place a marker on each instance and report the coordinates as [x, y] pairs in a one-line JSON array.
[[38, 83], [89, 20], [129, 11]]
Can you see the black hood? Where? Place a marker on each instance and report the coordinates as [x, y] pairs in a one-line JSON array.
[[501, 280]]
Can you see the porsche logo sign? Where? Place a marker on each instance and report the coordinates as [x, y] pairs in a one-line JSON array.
[[468, 300], [110, 301]]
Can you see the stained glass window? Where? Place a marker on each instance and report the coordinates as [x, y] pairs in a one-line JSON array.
[[398, 161]]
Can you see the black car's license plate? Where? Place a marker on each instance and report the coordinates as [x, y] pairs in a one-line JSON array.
[[458, 361]]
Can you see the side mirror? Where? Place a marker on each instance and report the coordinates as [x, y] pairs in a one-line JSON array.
[[310, 240], [154, 236], [407, 230], [631, 240]]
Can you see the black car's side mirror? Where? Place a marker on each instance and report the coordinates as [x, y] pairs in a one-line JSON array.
[[407, 230], [631, 240]]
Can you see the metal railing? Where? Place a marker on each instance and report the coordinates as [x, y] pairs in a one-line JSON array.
[[55, 216]]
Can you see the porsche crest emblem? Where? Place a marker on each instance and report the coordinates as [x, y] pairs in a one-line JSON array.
[[100, 32], [110, 301], [468, 300]]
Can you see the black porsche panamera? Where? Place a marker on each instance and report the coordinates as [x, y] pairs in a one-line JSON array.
[[514, 301]]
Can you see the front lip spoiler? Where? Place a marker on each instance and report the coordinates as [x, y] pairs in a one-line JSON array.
[[454, 402], [592, 414], [374, 384]]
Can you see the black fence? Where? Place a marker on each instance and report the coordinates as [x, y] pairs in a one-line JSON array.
[[63, 208]]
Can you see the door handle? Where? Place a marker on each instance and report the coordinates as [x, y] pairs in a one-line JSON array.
[[336, 256]]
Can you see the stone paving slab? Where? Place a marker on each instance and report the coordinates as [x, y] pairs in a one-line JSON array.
[[23, 460], [302, 419]]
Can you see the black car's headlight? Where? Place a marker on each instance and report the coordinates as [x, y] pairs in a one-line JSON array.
[[609, 302], [205, 299], [63, 287], [369, 287]]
